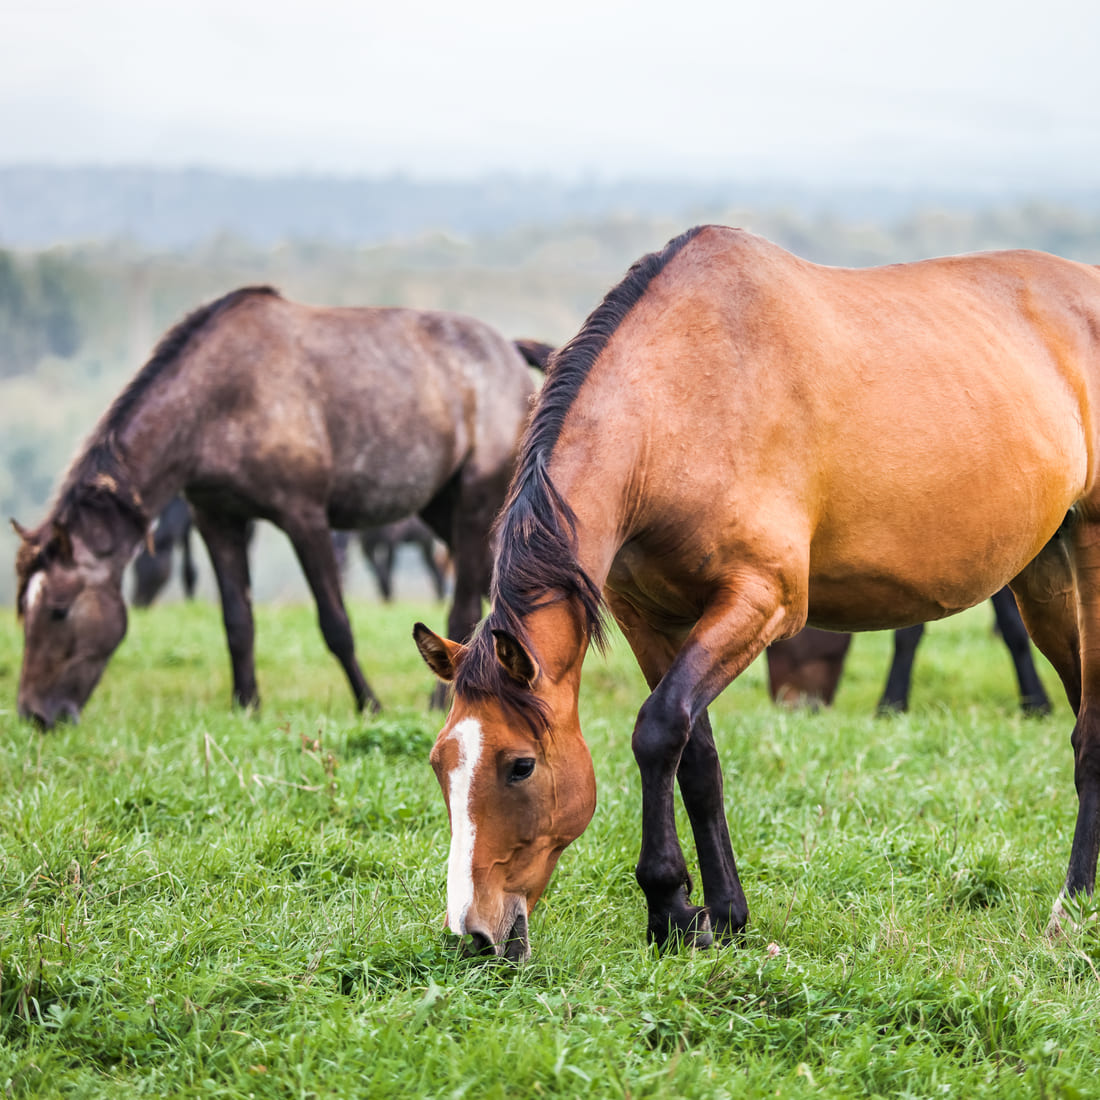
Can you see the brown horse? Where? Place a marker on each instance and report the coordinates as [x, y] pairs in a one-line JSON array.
[[310, 417], [806, 669], [736, 443]]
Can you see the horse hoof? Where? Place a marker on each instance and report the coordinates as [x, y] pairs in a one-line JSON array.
[[690, 927], [1068, 918]]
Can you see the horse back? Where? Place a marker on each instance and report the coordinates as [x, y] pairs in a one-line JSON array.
[[761, 411]]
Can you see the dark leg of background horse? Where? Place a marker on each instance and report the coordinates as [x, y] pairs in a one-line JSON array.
[[226, 539], [312, 543], [462, 515], [188, 573], [427, 552], [380, 554], [1033, 697], [151, 573], [895, 696], [340, 540]]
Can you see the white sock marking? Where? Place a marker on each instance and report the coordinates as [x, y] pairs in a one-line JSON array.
[[460, 866]]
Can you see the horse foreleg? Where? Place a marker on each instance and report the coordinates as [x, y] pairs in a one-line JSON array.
[[226, 541], [312, 542], [1033, 697], [727, 638], [895, 696], [700, 777]]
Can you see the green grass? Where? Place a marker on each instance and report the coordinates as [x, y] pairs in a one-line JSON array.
[[197, 902]]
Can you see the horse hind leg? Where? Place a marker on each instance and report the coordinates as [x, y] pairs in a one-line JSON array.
[[312, 541], [1059, 600]]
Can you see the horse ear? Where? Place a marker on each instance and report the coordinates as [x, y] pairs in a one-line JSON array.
[[60, 545], [441, 655], [19, 529], [517, 662]]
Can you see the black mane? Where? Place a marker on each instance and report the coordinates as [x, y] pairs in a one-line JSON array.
[[99, 470], [536, 559]]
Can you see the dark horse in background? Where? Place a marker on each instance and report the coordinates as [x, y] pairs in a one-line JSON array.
[[153, 564], [806, 669], [313, 418], [716, 458], [380, 546]]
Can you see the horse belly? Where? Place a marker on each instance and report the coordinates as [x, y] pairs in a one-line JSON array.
[[378, 486], [896, 569]]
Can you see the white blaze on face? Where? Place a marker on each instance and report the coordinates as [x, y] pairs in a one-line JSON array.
[[35, 587], [460, 866]]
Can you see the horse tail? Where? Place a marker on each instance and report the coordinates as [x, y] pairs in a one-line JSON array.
[[535, 353]]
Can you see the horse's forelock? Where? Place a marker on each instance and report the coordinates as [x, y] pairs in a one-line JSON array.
[[482, 677]]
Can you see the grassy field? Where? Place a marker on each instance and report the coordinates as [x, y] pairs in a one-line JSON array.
[[196, 902]]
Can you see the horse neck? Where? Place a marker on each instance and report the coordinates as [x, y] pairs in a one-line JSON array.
[[158, 441]]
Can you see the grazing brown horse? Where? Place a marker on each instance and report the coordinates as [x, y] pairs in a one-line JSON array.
[[806, 669], [736, 443], [310, 417]]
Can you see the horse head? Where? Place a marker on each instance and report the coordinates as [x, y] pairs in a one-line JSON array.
[[69, 576], [518, 781]]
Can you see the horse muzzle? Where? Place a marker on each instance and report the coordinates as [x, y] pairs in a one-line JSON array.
[[513, 945], [46, 715]]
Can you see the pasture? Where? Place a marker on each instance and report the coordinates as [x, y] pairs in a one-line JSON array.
[[199, 902]]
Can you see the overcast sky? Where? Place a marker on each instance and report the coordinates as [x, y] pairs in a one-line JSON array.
[[863, 90]]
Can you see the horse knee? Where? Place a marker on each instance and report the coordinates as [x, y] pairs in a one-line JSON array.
[[661, 733]]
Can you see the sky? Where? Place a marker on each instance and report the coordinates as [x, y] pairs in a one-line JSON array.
[[866, 91]]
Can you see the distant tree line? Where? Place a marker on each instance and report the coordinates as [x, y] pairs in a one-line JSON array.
[[38, 310]]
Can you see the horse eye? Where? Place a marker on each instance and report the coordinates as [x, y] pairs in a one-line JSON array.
[[58, 613], [521, 769]]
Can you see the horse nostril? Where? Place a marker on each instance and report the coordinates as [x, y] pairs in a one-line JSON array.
[[477, 943]]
